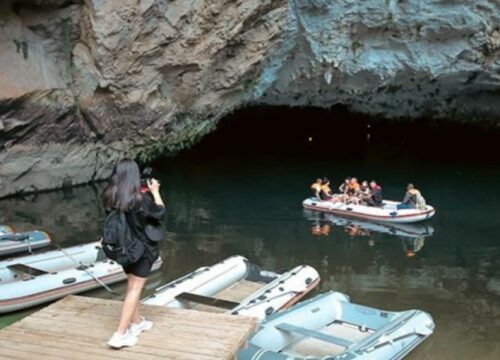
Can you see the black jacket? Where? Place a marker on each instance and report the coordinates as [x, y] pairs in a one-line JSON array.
[[146, 213]]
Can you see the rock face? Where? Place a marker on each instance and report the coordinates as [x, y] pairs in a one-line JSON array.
[[84, 82]]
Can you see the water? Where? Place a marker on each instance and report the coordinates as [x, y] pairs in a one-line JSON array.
[[240, 192]]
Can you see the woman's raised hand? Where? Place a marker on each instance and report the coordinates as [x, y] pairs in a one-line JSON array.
[[153, 185]]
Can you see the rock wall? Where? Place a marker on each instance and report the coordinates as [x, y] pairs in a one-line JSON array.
[[85, 82], [396, 58]]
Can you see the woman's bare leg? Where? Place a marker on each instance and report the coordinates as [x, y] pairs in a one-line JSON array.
[[136, 317], [131, 303]]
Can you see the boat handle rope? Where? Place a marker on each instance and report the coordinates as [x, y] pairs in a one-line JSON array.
[[84, 268], [257, 302], [385, 337]]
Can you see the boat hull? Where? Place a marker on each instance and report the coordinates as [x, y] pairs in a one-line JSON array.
[[36, 240], [386, 214], [58, 276]]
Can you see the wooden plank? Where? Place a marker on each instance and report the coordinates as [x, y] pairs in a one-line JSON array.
[[79, 327], [235, 293], [113, 311], [240, 291], [207, 300]]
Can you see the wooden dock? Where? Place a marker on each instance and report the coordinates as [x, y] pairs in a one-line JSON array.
[[79, 327]]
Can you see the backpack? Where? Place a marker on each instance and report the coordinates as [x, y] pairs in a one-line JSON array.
[[119, 241]]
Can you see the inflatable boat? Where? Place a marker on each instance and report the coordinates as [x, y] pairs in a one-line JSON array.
[[4, 229], [235, 286], [35, 279], [330, 327], [388, 212], [13, 243]]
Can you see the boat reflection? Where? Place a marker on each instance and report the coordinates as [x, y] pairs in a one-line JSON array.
[[412, 235]]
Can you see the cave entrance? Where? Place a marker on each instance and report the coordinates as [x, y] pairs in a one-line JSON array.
[[301, 134]]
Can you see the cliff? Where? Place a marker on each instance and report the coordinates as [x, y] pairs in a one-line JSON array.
[[84, 82]]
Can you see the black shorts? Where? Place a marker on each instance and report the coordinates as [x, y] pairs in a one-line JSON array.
[[141, 268]]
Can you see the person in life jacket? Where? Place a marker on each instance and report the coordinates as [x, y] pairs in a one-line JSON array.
[[316, 188], [326, 192], [353, 191], [413, 199], [376, 198], [353, 187]]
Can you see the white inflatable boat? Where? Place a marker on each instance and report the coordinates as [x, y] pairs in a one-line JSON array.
[[35, 279], [388, 212], [330, 327], [235, 286], [13, 243]]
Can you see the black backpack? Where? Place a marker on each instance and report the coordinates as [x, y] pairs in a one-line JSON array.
[[119, 241]]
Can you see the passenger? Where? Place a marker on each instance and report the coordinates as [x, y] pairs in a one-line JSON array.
[[344, 186], [353, 191], [364, 192], [413, 199], [353, 187], [326, 192], [316, 188], [376, 198]]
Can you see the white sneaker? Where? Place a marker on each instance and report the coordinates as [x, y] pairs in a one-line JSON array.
[[118, 340], [137, 328]]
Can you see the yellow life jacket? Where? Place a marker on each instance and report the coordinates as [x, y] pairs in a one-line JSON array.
[[326, 189], [316, 187]]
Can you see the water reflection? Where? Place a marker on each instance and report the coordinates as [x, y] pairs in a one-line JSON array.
[[69, 216], [412, 236]]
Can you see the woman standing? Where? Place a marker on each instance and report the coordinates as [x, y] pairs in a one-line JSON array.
[[144, 211]]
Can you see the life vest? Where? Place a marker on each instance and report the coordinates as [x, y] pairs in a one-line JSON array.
[[326, 190], [352, 188], [316, 187]]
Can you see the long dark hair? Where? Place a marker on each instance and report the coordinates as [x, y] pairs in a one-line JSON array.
[[123, 190]]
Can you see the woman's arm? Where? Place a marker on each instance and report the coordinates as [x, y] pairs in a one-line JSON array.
[[154, 188], [154, 206]]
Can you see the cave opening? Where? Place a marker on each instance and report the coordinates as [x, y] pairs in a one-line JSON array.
[[279, 133]]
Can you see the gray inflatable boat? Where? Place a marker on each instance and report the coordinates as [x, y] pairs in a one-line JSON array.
[[330, 327]]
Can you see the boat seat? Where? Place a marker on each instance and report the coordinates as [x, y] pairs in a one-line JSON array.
[[27, 270], [207, 300], [313, 334]]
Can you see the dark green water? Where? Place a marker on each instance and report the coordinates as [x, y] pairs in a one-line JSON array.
[[240, 192]]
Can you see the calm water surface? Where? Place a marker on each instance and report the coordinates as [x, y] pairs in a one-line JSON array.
[[227, 197]]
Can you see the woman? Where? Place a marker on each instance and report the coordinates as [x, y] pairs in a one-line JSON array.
[[143, 211]]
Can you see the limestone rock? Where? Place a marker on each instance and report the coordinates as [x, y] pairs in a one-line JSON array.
[[83, 83]]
